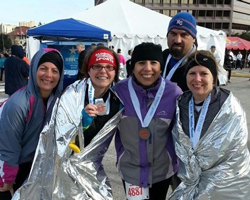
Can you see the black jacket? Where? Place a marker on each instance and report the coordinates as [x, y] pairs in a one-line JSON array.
[[16, 74], [228, 62], [179, 75]]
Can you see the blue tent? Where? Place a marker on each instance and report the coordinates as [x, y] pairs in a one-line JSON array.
[[69, 29]]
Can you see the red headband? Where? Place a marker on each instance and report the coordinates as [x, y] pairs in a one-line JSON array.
[[102, 56]]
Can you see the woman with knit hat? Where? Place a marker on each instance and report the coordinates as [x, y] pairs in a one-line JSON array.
[[145, 152], [69, 155], [210, 137], [24, 115]]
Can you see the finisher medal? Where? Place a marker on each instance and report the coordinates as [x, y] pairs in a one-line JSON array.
[[101, 106], [144, 133]]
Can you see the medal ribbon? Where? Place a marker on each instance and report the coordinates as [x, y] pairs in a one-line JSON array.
[[91, 92], [153, 106], [175, 67], [196, 132], [91, 97]]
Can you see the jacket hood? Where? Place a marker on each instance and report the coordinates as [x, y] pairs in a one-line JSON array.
[[32, 84], [17, 51]]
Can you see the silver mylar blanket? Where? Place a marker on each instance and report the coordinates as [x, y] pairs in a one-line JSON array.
[[219, 167], [56, 174]]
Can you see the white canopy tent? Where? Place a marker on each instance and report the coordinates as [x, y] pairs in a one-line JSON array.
[[131, 24]]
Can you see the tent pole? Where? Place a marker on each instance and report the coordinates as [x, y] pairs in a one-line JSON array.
[[245, 66]]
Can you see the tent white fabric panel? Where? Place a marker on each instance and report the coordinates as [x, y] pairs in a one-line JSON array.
[[130, 24]]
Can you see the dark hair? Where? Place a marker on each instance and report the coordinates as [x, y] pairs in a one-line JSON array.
[[84, 68], [100, 44], [6, 55], [119, 50]]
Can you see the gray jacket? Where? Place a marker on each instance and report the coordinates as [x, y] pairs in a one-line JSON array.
[[23, 117]]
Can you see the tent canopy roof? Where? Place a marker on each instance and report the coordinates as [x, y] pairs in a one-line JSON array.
[[125, 18], [237, 43], [69, 29]]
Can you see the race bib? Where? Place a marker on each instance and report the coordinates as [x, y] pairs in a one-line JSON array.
[[134, 192]]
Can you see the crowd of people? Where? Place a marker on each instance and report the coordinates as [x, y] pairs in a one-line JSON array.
[[172, 124]]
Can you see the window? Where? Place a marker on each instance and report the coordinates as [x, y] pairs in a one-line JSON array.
[[202, 13], [203, 2], [166, 12], [225, 25], [210, 13], [219, 13], [220, 1]]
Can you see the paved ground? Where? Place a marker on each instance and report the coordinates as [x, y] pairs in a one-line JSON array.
[[240, 87]]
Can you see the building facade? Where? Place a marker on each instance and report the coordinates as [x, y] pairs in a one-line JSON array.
[[18, 35], [231, 16], [6, 28]]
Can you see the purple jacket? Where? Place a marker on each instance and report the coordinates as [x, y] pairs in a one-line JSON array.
[[144, 162]]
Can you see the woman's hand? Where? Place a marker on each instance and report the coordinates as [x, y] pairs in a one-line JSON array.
[[91, 110], [7, 187]]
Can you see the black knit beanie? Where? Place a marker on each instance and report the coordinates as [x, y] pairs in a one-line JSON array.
[[53, 57], [203, 60], [147, 51]]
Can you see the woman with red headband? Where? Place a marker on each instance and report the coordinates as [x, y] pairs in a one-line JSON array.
[[70, 151]]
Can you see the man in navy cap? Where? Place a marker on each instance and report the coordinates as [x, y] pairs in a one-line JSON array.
[[181, 38]]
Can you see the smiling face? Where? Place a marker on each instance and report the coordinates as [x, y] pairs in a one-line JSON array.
[[102, 78], [200, 82], [147, 72], [47, 77], [179, 42]]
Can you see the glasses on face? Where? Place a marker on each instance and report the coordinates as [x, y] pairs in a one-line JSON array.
[[99, 68]]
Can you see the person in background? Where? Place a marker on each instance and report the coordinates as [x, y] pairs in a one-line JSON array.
[[248, 60], [215, 54], [145, 155], [92, 46], [234, 58], [239, 60], [112, 48], [76, 134], [82, 53], [26, 59], [210, 137], [16, 70], [121, 57], [128, 63], [122, 63], [222, 73], [23, 116], [2, 60], [181, 38], [228, 64]]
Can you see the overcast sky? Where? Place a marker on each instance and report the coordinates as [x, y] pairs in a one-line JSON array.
[[44, 11]]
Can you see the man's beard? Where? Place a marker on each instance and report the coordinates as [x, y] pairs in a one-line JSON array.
[[176, 53]]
